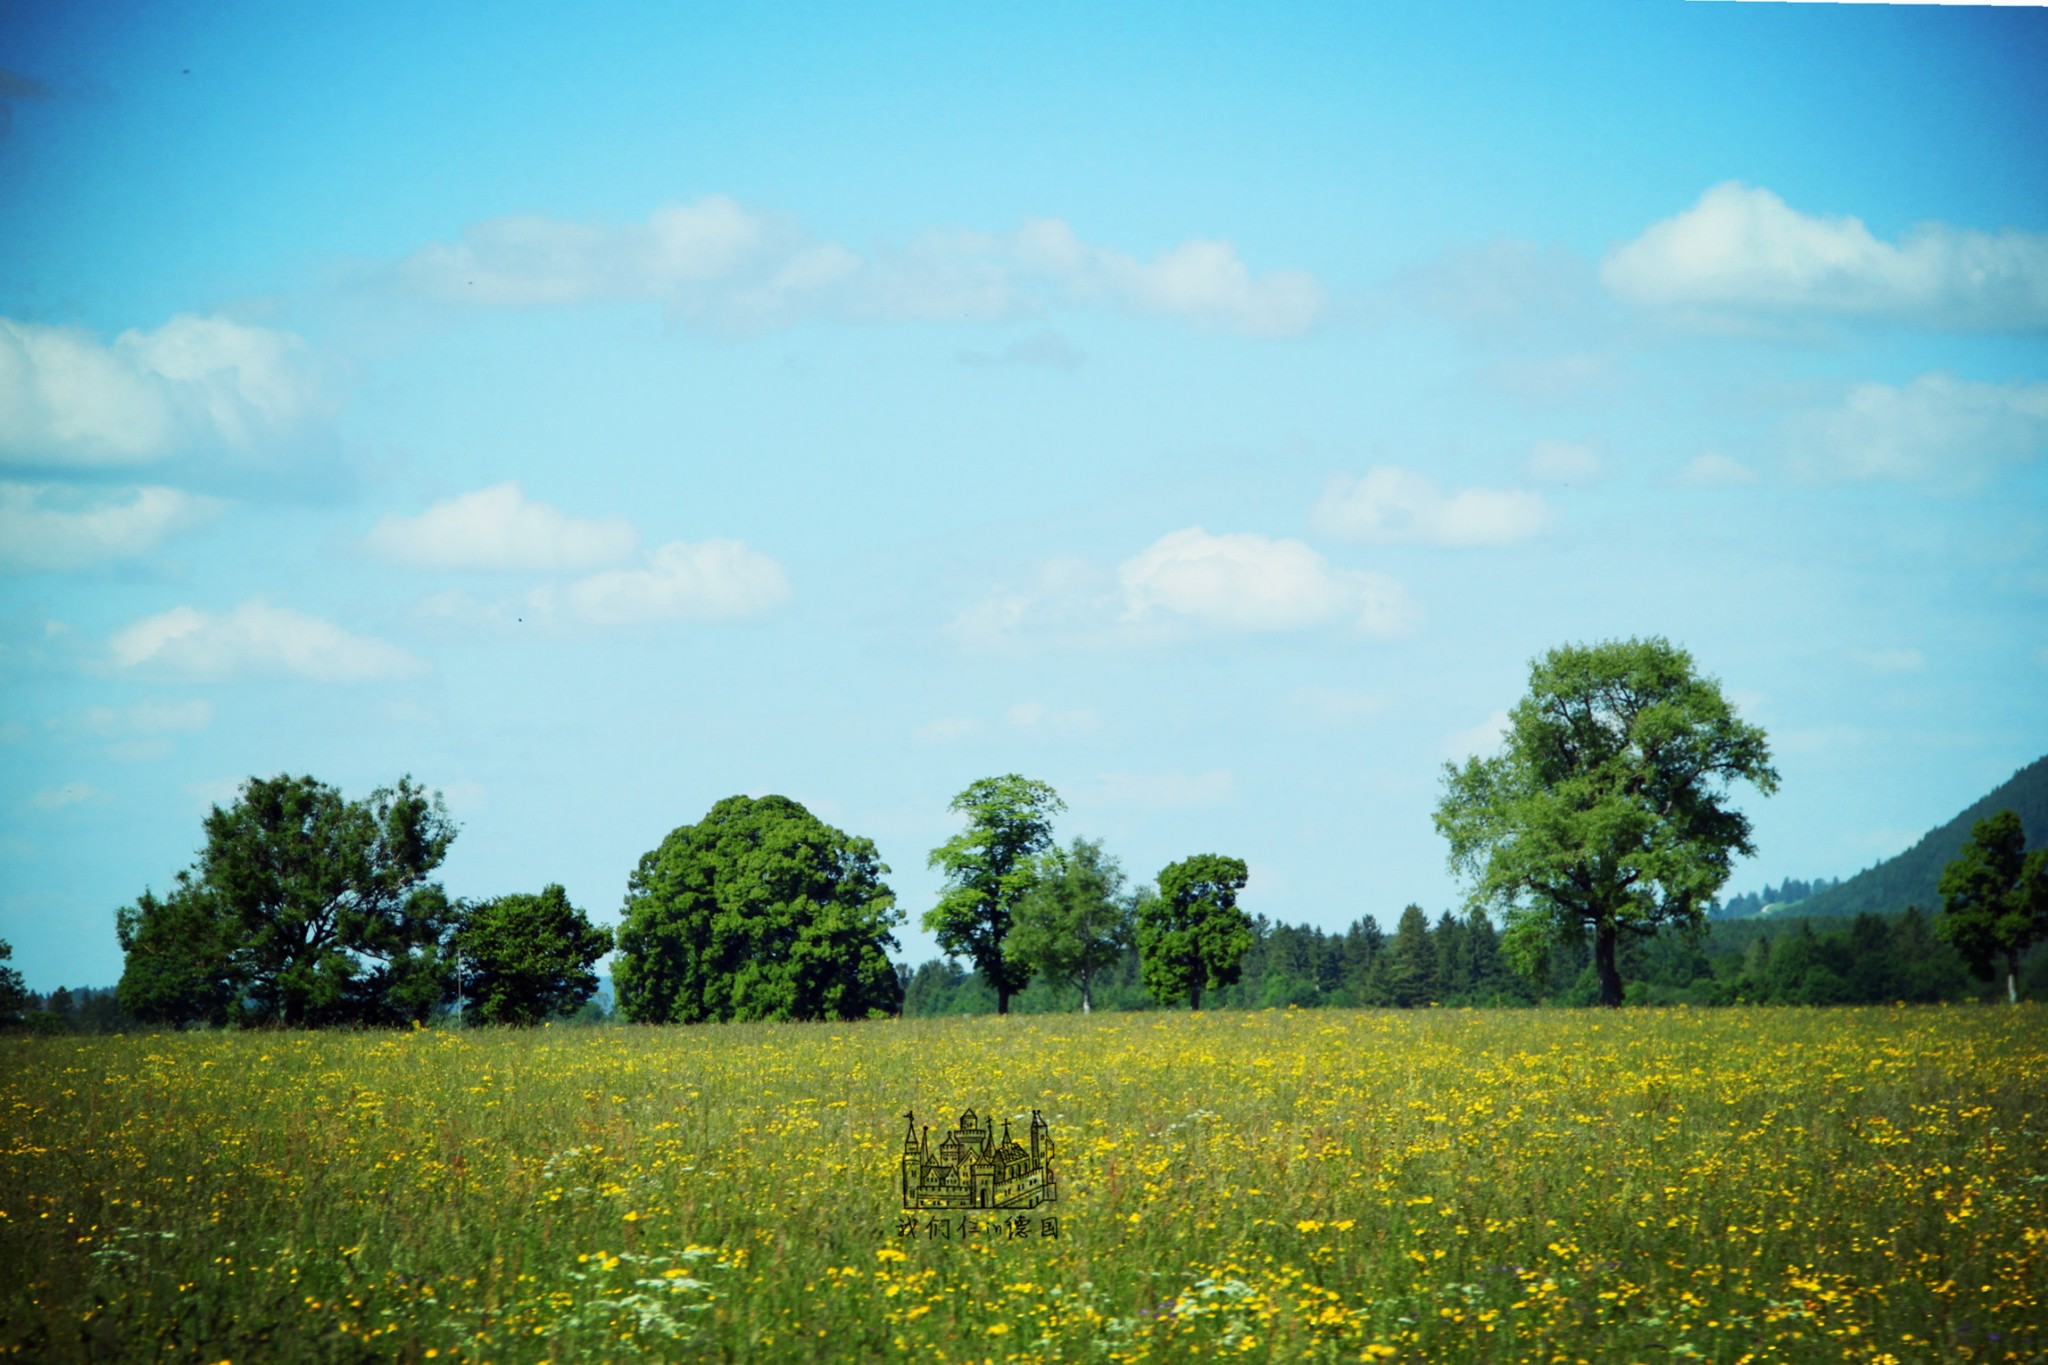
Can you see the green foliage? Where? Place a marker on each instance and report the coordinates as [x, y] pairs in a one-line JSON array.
[[1914, 877], [1995, 899], [990, 867], [304, 909], [761, 911], [1075, 922], [1606, 810], [525, 958], [1192, 936], [13, 996], [1409, 969]]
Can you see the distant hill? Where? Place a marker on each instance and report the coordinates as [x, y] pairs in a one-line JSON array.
[[1912, 877]]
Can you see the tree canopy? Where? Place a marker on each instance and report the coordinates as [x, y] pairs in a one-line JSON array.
[[304, 908], [990, 866], [1995, 899], [760, 911], [524, 958], [1607, 808], [1192, 936], [1075, 922]]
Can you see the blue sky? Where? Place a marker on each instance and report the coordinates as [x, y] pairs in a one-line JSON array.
[[1207, 410]]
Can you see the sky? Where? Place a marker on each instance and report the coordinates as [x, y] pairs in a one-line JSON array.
[[594, 412]]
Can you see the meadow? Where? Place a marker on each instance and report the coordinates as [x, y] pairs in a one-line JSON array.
[[1647, 1185]]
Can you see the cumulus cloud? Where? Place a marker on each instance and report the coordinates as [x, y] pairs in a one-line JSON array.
[[1938, 429], [712, 580], [50, 527], [1745, 251], [66, 398], [1563, 462], [1710, 469], [1244, 581], [719, 263], [256, 639], [498, 529], [1394, 504]]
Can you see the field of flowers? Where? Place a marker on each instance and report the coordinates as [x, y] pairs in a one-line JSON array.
[[1734, 1185]]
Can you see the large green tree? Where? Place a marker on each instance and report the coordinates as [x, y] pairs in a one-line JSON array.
[[990, 867], [524, 958], [1606, 810], [1994, 899], [1075, 922], [305, 908], [1192, 936], [759, 911]]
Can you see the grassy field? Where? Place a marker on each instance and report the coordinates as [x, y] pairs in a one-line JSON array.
[[1652, 1185]]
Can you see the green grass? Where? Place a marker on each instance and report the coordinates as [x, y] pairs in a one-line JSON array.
[[1650, 1185]]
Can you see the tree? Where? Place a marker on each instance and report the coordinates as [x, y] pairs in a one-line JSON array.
[[1192, 936], [304, 908], [13, 991], [761, 911], [179, 966], [1075, 922], [524, 958], [1409, 974], [1606, 809], [1994, 899], [990, 867]]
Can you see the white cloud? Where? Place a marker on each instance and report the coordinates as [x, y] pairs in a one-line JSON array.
[[1202, 282], [70, 794], [718, 262], [1891, 661], [147, 718], [1036, 715], [1563, 462], [66, 398], [1165, 790], [499, 529], [1481, 741], [50, 527], [946, 730], [1937, 429], [256, 639], [218, 791], [712, 580], [1742, 250], [1711, 469], [1244, 581], [1395, 504]]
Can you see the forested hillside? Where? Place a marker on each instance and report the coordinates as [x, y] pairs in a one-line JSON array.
[[1912, 877]]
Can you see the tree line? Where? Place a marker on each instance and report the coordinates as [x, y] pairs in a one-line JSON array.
[[1600, 833]]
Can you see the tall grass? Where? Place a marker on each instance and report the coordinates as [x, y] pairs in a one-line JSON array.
[[1729, 1185]]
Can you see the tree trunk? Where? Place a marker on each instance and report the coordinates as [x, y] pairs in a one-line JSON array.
[[1084, 995], [1002, 1001], [1195, 999], [2012, 976], [1604, 936]]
